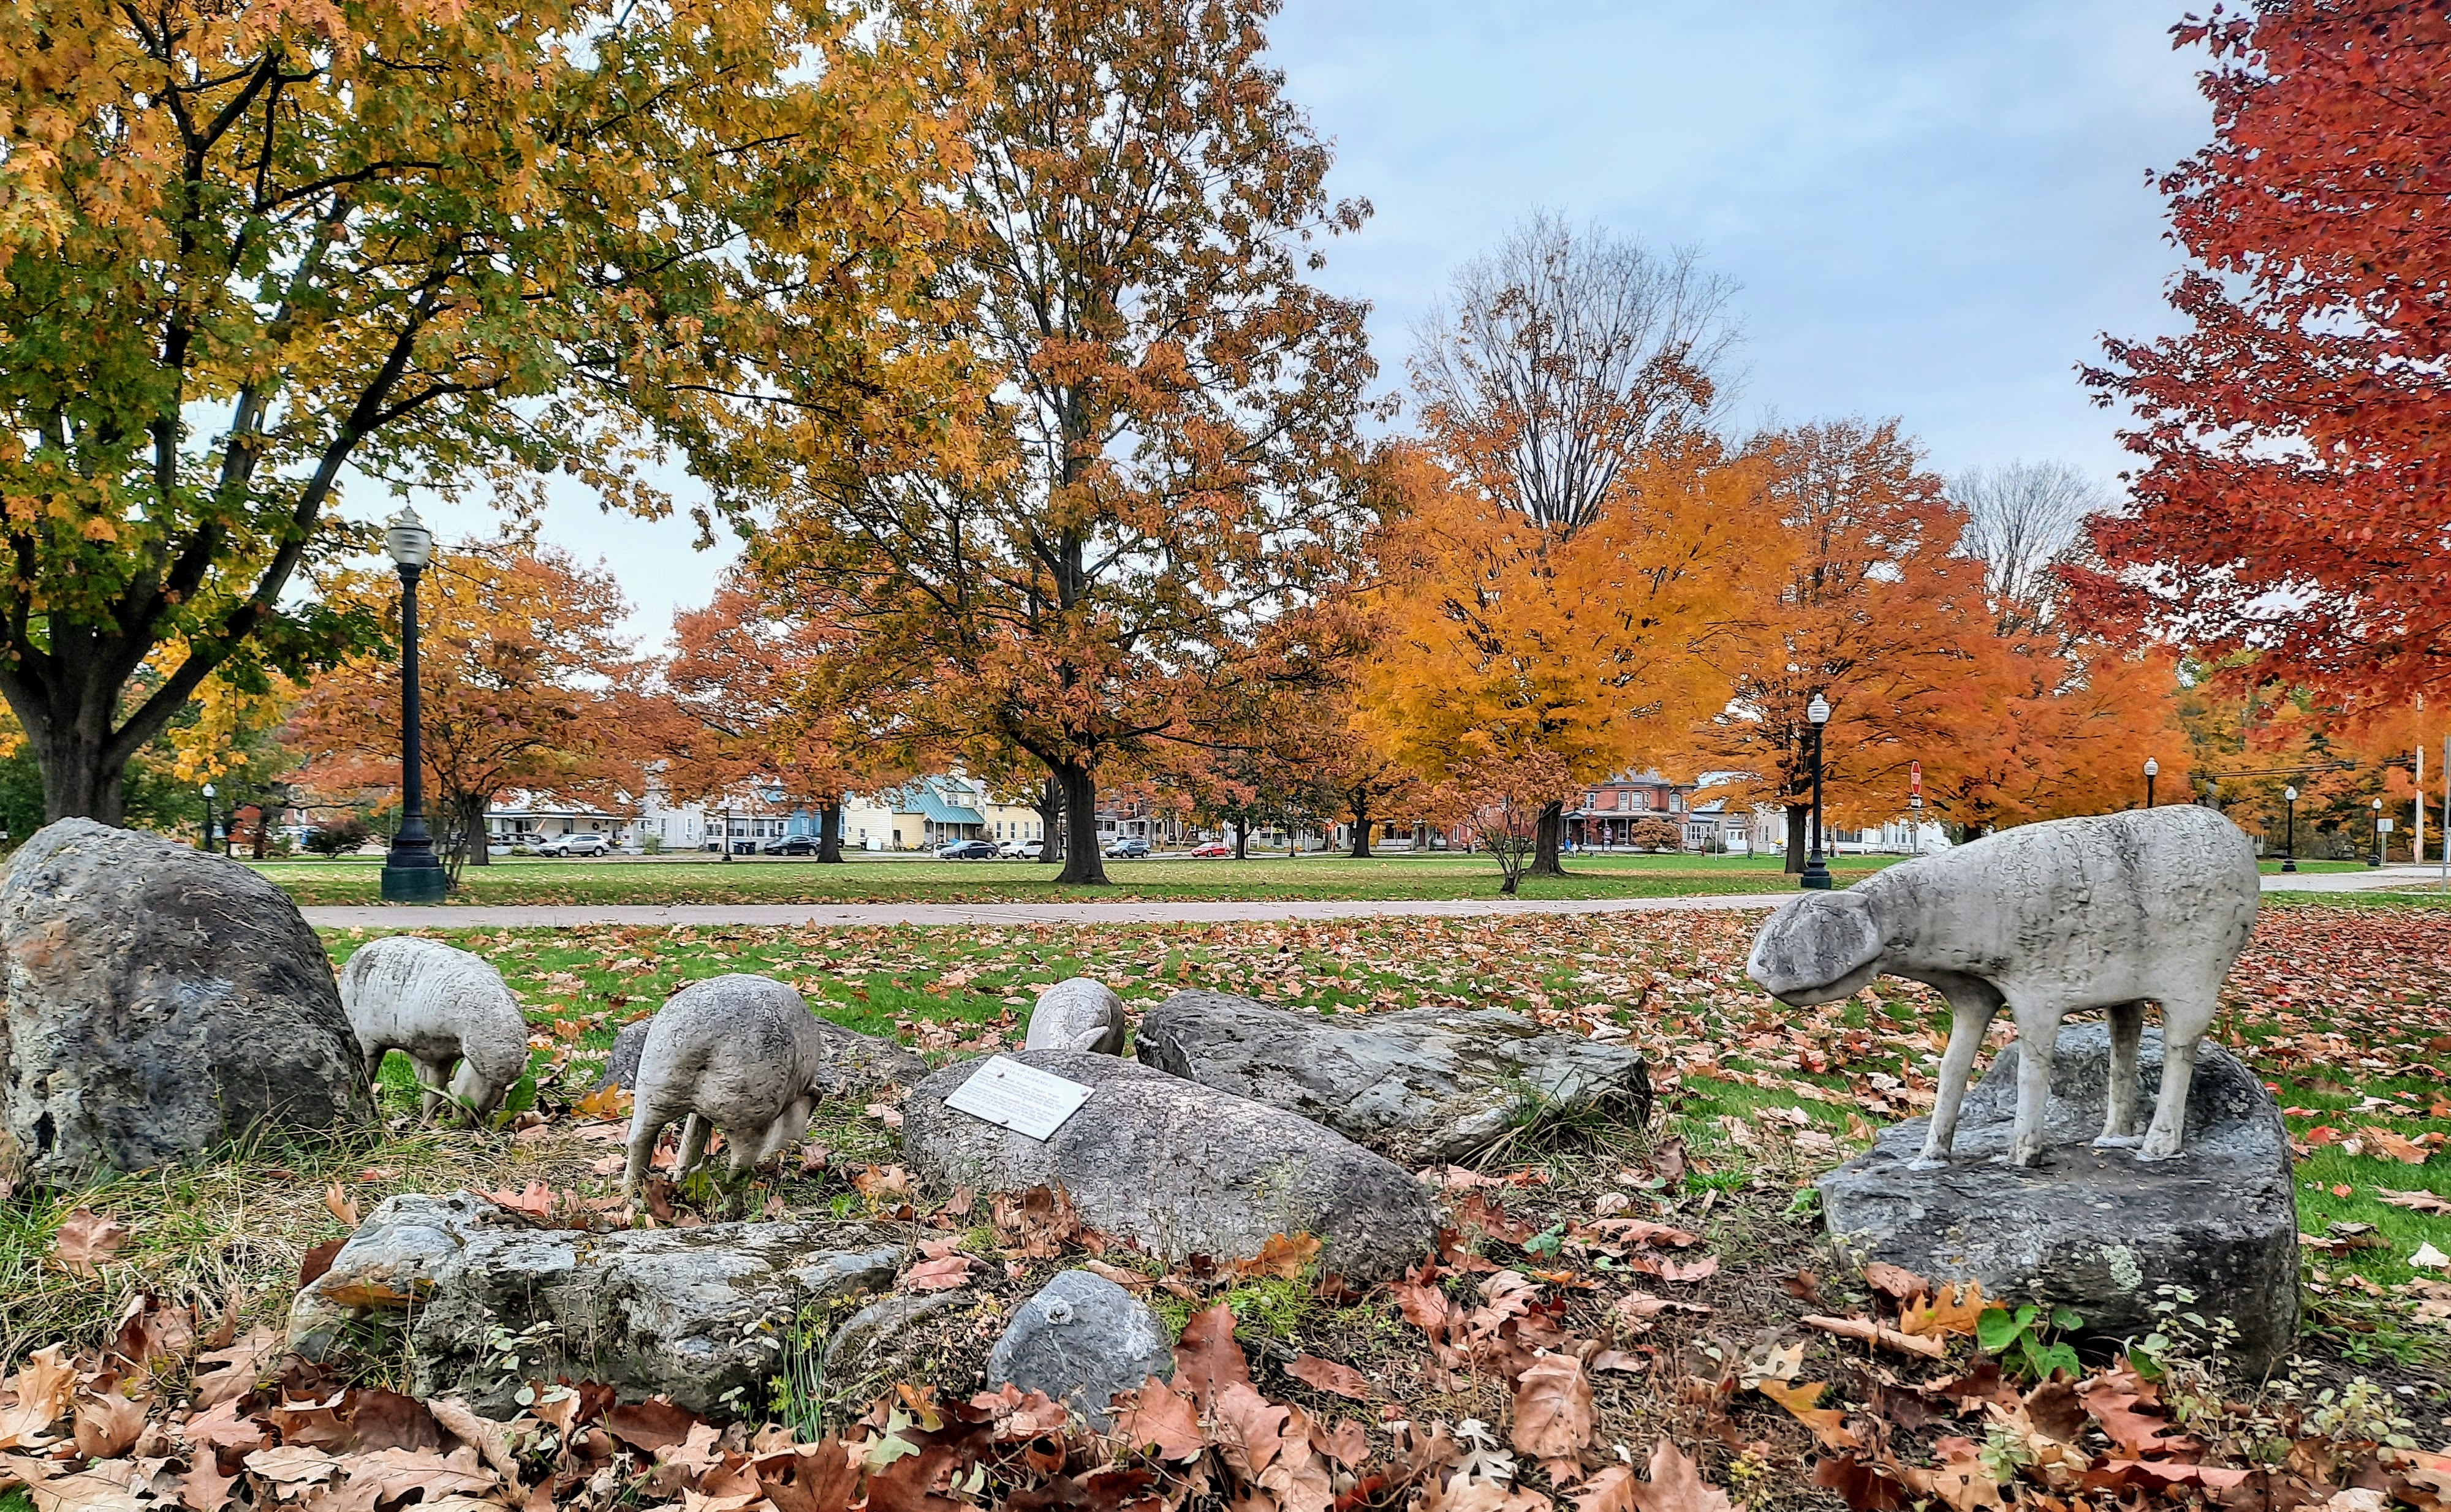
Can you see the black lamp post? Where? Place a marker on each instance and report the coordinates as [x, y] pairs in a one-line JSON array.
[[1817, 872], [2376, 859], [209, 818], [412, 872], [2153, 770], [2290, 847]]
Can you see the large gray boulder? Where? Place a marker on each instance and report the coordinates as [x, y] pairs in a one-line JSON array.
[[855, 1065], [1080, 1341], [160, 1001], [1183, 1169], [702, 1315], [1427, 1084], [2091, 1228], [622, 1067]]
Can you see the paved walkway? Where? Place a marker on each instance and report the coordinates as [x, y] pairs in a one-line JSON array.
[[796, 916]]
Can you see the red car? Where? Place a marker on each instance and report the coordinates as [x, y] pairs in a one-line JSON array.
[[1213, 849]]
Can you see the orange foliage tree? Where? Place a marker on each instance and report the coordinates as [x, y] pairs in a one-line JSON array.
[[743, 721], [1500, 639], [1096, 553], [525, 684]]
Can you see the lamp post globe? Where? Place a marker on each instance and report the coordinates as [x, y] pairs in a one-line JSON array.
[[412, 872], [209, 816], [2153, 770], [2290, 847], [1817, 871], [2375, 857]]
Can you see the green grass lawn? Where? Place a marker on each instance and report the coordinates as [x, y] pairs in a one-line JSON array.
[[653, 880]]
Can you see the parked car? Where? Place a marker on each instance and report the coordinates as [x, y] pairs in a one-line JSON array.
[[1022, 850], [966, 851], [1128, 848], [790, 845], [1212, 850], [575, 845]]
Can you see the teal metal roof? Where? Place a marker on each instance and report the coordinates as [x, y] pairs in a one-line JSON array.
[[929, 804]]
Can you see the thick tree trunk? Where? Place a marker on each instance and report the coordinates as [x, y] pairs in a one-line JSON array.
[[830, 818], [1242, 842], [1799, 819], [1360, 802], [1051, 819], [79, 781], [1550, 834], [1083, 864]]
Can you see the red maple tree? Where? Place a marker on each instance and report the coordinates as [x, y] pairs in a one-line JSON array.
[[2296, 437]]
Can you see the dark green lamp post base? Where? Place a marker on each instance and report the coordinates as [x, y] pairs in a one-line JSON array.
[[414, 884]]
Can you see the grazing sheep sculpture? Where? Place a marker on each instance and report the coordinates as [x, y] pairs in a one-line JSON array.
[[740, 1054], [436, 1005], [2049, 919]]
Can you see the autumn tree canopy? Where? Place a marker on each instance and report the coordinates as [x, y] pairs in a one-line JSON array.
[[739, 682], [527, 685], [1101, 542], [252, 250], [2295, 488]]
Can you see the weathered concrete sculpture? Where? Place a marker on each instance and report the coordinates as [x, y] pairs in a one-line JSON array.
[[737, 1053], [2049, 919], [436, 1005]]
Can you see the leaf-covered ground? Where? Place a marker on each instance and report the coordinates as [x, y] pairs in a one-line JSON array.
[[1579, 1256]]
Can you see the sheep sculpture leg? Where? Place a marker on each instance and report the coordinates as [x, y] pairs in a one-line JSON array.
[[435, 1077], [2118, 1130], [2038, 1036], [695, 1132], [1971, 1006], [2185, 1018]]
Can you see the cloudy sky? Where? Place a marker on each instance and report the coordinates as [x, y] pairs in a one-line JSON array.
[[1932, 207]]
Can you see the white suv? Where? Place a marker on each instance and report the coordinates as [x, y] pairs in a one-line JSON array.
[[576, 845]]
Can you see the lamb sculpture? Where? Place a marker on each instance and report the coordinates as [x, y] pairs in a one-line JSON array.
[[2051, 919], [438, 1005], [736, 1052]]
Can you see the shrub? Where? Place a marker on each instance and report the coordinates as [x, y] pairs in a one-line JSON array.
[[1656, 835], [338, 837]]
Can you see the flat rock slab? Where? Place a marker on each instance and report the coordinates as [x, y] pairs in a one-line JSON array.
[[159, 1001], [2095, 1231], [1427, 1084], [698, 1314], [1183, 1169]]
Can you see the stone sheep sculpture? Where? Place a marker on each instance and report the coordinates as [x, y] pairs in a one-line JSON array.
[[1077, 1013], [436, 1005], [2051, 919], [740, 1054]]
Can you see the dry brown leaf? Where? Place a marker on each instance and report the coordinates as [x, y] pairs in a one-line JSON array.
[[2400, 1147], [1250, 1429], [1326, 1375], [1283, 1257], [85, 1241], [1896, 1282], [1206, 1358], [2424, 1201], [1871, 1332], [491, 1440], [107, 1425], [1553, 1407], [938, 1275], [98, 1490], [292, 1464], [1156, 1419], [1829, 1425], [607, 1103], [342, 1205], [1676, 1485], [1950, 1311], [45, 1389], [241, 1366]]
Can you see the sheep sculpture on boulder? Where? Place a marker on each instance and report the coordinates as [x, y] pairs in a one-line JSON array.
[[436, 1005], [2049, 919]]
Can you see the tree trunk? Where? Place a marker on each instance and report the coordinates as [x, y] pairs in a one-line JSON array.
[[78, 781], [1360, 802], [263, 822], [1799, 818], [1550, 831], [1083, 864], [829, 818], [1242, 840], [1051, 820]]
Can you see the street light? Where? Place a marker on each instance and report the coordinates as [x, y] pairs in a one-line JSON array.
[[412, 872], [2153, 770], [2376, 859], [209, 818], [1817, 872], [2289, 851]]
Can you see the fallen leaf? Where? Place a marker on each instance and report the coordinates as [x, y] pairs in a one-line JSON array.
[[2407, 1151], [1155, 1418], [45, 1387], [107, 1425], [1326, 1375], [341, 1204], [85, 1240], [1896, 1282], [1953, 1309], [1676, 1485], [1553, 1407], [1207, 1359], [2424, 1201], [938, 1275], [2429, 1258], [1283, 1257], [1829, 1425]]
